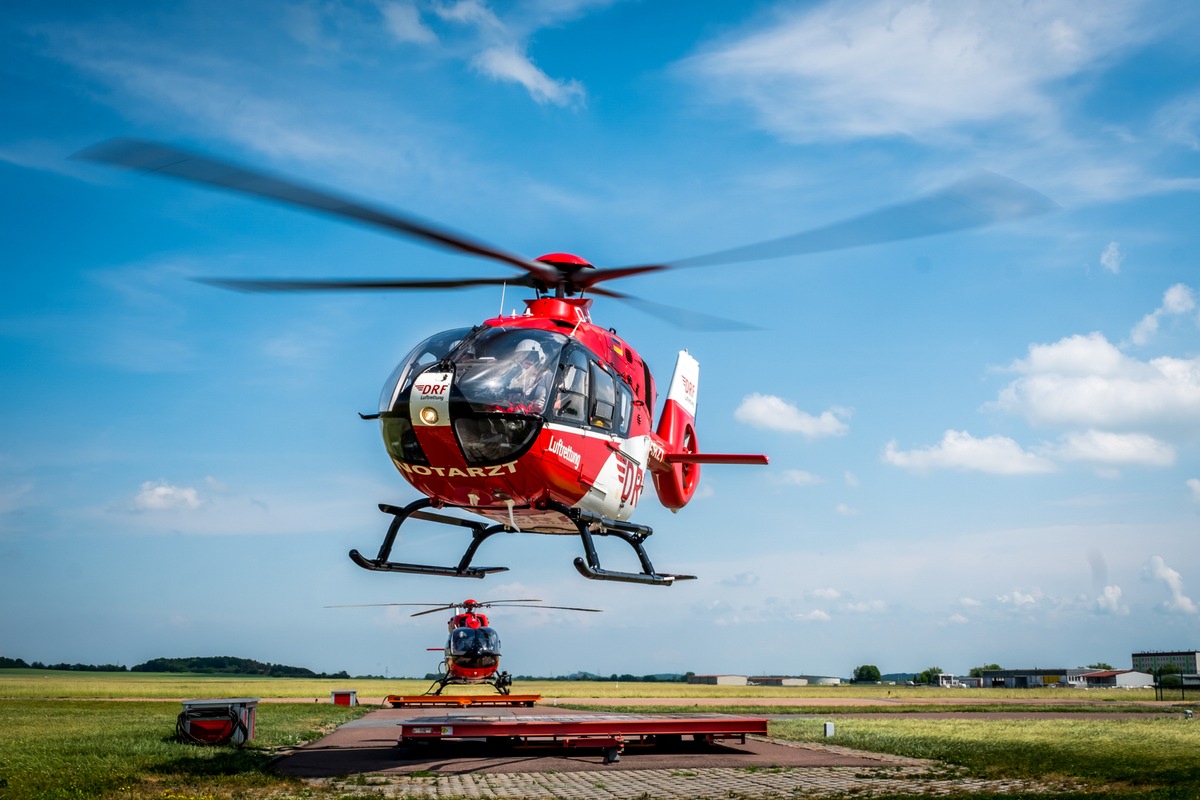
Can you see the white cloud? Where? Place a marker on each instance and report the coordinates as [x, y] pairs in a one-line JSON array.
[[1085, 381], [887, 68], [403, 22], [1158, 569], [1193, 484], [824, 593], [162, 496], [799, 477], [1020, 599], [1179, 299], [509, 62], [846, 510], [865, 607], [969, 602], [957, 619], [1112, 257], [741, 580], [1109, 601], [1179, 122], [1115, 448], [812, 616], [773, 413], [997, 455], [852, 480]]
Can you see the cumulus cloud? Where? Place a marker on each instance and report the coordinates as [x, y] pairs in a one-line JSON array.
[[812, 616], [1086, 381], [887, 68], [162, 496], [1109, 601], [1115, 448], [996, 455], [773, 413], [1019, 599], [1179, 602], [1112, 257], [1177, 300]]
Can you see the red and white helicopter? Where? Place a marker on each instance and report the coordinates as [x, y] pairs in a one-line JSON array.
[[545, 422], [472, 651]]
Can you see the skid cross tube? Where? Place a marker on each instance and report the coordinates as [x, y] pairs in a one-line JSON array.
[[480, 532]]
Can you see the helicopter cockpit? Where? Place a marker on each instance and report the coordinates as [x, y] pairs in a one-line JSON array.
[[502, 379], [474, 647]]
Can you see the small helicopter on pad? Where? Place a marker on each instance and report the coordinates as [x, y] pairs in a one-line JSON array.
[[544, 422], [472, 651]]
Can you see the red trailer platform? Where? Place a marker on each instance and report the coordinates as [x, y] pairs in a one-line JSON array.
[[609, 732], [460, 700]]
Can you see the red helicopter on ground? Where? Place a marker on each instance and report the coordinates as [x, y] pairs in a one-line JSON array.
[[473, 646], [544, 422]]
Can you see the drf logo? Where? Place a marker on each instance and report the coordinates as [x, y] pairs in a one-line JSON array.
[[431, 389], [689, 388], [631, 479]]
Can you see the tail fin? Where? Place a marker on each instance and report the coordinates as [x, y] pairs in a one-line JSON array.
[[676, 471], [676, 482]]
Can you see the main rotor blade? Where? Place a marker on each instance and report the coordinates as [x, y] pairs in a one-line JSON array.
[[146, 156], [561, 608], [351, 284], [976, 202]]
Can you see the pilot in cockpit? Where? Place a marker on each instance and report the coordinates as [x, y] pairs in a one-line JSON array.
[[529, 384]]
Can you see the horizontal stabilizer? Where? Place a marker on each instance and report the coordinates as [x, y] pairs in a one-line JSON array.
[[716, 458]]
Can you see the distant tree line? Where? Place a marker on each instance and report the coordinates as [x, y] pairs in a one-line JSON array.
[[18, 663], [230, 665]]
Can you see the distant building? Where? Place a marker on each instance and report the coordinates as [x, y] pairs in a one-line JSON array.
[[820, 680], [777, 680], [718, 680], [1118, 678], [1034, 678], [1150, 661]]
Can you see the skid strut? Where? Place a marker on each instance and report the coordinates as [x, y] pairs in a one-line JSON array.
[[480, 532], [589, 525], [586, 523]]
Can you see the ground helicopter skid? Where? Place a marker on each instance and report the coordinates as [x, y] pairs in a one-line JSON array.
[[586, 523]]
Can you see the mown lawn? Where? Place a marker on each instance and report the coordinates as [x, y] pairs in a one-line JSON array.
[[1138, 757], [75, 750]]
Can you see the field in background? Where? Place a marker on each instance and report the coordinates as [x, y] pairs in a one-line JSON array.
[[137, 685], [109, 736]]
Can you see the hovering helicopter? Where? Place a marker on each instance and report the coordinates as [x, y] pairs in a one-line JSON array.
[[544, 422], [473, 646]]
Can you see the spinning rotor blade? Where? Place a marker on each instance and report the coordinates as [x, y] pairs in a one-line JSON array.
[[351, 284], [560, 608], [986, 199], [145, 156]]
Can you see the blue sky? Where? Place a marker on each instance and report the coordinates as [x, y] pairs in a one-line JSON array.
[[984, 445]]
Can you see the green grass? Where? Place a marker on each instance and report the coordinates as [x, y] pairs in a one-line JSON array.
[[75, 750], [60, 739], [1142, 757]]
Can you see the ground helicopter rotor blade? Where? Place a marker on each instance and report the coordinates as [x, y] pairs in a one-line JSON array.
[[975, 202], [560, 608], [144, 156]]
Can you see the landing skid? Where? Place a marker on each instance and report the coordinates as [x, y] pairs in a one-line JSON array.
[[501, 682], [586, 523]]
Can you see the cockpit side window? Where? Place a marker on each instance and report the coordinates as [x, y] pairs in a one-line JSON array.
[[604, 402], [624, 408], [570, 404]]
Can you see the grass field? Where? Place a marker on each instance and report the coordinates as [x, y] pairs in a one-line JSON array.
[[79, 736]]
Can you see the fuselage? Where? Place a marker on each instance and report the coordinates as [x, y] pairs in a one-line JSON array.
[[522, 411], [472, 649]]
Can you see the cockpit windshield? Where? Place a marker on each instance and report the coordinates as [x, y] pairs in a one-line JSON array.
[[423, 356], [474, 642], [507, 369]]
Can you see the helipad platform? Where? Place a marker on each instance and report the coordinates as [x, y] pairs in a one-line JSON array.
[[608, 732], [460, 700]]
